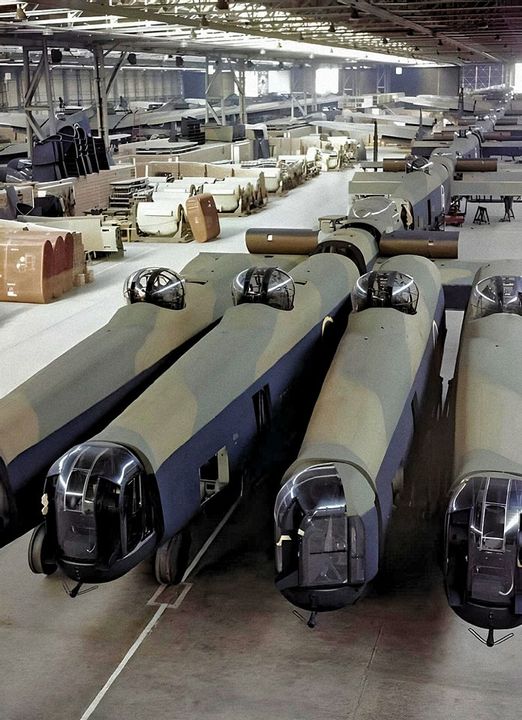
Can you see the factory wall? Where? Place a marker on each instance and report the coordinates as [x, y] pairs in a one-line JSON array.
[[302, 79], [412, 81], [359, 81], [482, 75], [426, 81], [153, 85], [76, 86], [193, 84]]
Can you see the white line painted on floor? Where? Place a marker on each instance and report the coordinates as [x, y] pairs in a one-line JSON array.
[[153, 599], [181, 597], [147, 630], [185, 587]]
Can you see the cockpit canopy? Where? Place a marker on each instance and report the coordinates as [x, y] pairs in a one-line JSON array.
[[496, 294], [267, 285], [156, 285], [494, 503], [315, 489], [391, 289]]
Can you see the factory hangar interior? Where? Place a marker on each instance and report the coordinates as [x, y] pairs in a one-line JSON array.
[[323, 140]]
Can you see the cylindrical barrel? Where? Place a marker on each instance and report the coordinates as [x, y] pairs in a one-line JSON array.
[[476, 165], [430, 244], [26, 270], [394, 165], [281, 240], [498, 135]]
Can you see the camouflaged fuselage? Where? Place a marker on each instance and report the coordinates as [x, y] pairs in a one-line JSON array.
[[205, 404], [91, 383], [483, 541], [360, 431]]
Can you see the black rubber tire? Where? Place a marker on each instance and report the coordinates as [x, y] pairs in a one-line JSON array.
[[168, 562], [40, 560]]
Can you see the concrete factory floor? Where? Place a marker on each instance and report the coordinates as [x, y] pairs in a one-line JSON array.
[[228, 647]]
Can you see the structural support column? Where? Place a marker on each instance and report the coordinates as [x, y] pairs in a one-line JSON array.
[[100, 89], [312, 85], [510, 74], [26, 82], [383, 79], [48, 87], [207, 110], [239, 82], [215, 83], [31, 80]]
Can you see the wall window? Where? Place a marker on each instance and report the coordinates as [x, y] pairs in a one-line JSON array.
[[327, 81]]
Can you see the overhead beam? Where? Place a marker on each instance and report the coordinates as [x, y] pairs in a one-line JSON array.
[[142, 13], [384, 14]]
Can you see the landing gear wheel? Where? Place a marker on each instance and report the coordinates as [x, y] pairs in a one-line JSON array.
[[40, 559], [171, 559]]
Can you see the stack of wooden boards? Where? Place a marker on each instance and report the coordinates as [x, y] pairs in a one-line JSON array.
[[38, 263]]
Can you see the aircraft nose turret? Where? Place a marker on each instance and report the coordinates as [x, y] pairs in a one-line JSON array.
[[482, 551], [326, 536], [99, 513]]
